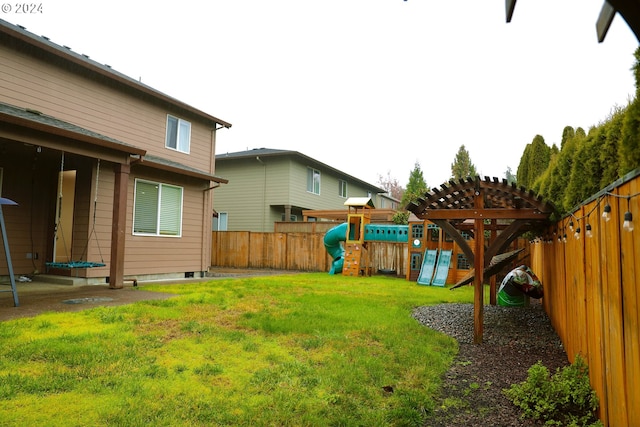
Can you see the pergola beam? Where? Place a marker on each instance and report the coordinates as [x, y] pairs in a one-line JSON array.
[[490, 213]]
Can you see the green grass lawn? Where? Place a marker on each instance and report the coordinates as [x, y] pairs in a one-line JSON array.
[[291, 350]]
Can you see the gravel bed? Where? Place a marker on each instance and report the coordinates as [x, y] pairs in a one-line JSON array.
[[514, 339]]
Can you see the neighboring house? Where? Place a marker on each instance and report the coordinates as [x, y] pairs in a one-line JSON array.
[[385, 201], [266, 186], [104, 168]]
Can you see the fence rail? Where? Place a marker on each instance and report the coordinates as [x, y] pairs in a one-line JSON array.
[[592, 296]]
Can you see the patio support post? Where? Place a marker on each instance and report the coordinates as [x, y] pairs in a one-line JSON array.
[[116, 268], [7, 252]]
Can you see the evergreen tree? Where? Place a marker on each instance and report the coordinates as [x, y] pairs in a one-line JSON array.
[[522, 174], [586, 170], [609, 157], [630, 143], [538, 159], [416, 187], [509, 176], [567, 133], [462, 166], [534, 161], [562, 173]]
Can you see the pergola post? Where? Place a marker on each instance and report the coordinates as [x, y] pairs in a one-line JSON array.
[[459, 205], [478, 265], [492, 279]]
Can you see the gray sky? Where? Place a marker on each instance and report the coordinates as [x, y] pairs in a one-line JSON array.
[[366, 86]]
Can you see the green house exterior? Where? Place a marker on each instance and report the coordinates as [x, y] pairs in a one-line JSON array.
[[267, 186]]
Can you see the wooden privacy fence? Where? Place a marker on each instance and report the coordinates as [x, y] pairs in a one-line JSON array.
[[592, 295], [294, 251]]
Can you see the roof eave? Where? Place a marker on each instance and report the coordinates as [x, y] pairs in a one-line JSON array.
[[66, 133], [182, 171]]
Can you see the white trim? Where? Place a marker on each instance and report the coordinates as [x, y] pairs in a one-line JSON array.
[[159, 206], [179, 142]]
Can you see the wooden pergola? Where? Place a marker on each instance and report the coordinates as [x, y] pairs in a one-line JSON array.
[[486, 204]]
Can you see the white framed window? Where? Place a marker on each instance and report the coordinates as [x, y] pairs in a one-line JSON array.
[[342, 188], [178, 134], [220, 223], [157, 209], [313, 181]]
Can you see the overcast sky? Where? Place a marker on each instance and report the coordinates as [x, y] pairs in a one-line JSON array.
[[366, 86]]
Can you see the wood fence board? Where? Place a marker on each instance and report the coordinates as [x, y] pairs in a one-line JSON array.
[[631, 313], [595, 326], [231, 249], [592, 296], [613, 305], [580, 297], [559, 317]]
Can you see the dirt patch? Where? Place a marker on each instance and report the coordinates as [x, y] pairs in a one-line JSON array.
[[514, 339]]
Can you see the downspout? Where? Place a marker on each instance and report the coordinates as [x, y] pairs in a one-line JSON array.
[[264, 194], [207, 211]]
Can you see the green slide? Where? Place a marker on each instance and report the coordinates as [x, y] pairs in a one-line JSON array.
[[442, 270], [428, 263]]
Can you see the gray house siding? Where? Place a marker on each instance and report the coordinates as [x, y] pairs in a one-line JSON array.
[[329, 197], [242, 197], [264, 184]]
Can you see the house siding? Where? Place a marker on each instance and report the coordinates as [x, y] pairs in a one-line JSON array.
[[68, 96], [261, 186], [157, 255], [329, 197], [43, 82], [245, 196]]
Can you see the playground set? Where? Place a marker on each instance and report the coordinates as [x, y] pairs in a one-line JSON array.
[[428, 261]]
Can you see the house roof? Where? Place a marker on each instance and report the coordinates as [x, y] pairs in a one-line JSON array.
[[42, 122], [36, 120], [43, 45], [171, 166], [271, 152]]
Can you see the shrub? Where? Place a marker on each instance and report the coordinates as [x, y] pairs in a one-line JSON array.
[[564, 399]]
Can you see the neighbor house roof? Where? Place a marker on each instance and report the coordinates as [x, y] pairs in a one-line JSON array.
[[12, 34], [271, 152]]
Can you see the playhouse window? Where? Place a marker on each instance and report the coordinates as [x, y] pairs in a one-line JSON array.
[[178, 134], [463, 262], [313, 181], [157, 209], [342, 188]]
